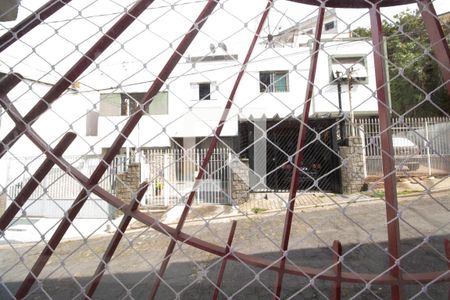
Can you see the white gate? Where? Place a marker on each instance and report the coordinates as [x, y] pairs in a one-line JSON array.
[[421, 145], [57, 191], [172, 172]]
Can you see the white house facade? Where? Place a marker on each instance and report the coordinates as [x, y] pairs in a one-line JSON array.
[[189, 106]]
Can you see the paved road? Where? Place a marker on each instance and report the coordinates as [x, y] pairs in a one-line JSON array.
[[360, 227]]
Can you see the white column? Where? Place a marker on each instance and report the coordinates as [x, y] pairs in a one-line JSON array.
[[258, 179]]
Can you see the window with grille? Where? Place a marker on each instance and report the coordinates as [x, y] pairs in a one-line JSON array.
[[125, 104], [273, 81]]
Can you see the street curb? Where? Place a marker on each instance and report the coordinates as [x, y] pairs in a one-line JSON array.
[[365, 199]]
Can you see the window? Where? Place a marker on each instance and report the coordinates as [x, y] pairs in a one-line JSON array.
[[159, 105], [129, 103], [9, 10], [204, 91], [329, 26], [273, 81], [343, 66], [125, 104]]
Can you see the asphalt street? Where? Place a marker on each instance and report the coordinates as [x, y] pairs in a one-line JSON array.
[[361, 228]]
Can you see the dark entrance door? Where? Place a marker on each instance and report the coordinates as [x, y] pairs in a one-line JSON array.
[[319, 169]]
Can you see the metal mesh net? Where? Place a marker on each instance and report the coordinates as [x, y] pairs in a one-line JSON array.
[[225, 149]]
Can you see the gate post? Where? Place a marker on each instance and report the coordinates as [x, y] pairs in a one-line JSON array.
[[166, 179], [239, 180], [352, 170]]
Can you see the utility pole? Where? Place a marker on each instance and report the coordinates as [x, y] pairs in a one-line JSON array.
[[352, 115], [341, 114]]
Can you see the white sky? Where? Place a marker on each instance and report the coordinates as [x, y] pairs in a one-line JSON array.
[[284, 14], [44, 52]]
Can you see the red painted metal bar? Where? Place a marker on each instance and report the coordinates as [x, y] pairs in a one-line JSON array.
[[252, 260], [337, 248], [437, 38], [210, 151], [354, 3], [447, 253], [34, 181], [387, 152], [9, 82], [216, 249], [115, 240], [225, 260], [33, 20], [111, 153], [77, 69], [299, 154]]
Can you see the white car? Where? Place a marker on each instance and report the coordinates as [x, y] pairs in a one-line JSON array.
[[405, 152]]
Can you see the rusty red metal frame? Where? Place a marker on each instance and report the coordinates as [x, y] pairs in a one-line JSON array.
[[437, 38], [210, 151], [23, 126], [447, 253], [362, 278], [299, 153], [337, 249], [33, 20], [116, 240], [77, 69], [34, 181], [7, 84], [394, 278], [354, 3], [223, 265], [387, 153]]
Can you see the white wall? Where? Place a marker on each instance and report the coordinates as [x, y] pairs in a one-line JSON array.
[[326, 95], [187, 116], [65, 114]]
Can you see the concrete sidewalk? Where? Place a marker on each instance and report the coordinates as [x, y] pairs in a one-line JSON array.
[[28, 230], [269, 201]]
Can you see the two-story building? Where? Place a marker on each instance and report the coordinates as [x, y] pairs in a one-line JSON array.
[[262, 125]]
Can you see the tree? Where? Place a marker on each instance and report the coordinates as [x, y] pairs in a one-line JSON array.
[[413, 70]]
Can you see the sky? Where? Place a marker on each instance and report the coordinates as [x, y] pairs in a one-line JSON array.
[[51, 49], [232, 12]]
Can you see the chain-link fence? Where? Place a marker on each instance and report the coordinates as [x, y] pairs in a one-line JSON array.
[[193, 149]]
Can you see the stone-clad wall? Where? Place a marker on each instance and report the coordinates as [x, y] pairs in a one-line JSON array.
[[352, 171], [128, 182], [240, 189]]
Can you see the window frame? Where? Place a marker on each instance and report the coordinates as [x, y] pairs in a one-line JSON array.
[[333, 23], [271, 87], [207, 95], [196, 89], [128, 104]]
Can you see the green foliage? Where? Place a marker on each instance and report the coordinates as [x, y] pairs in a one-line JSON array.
[[257, 210], [377, 194], [413, 70]]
